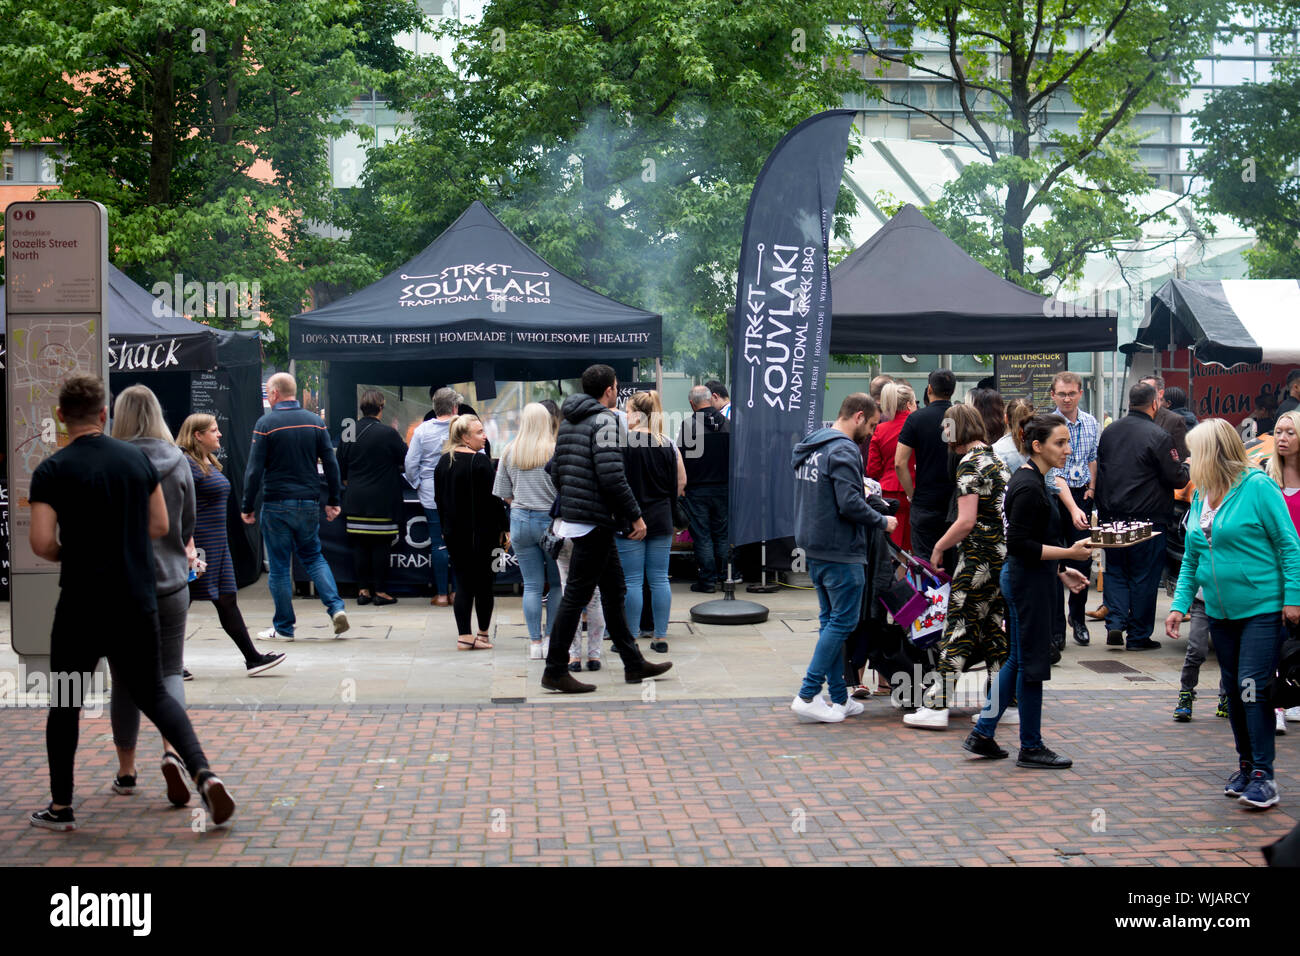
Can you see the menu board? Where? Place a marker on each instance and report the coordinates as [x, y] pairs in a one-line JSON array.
[[206, 397], [1029, 375]]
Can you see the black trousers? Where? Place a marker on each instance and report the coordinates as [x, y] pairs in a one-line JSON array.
[[370, 554], [594, 564], [84, 632], [474, 580], [927, 528], [1078, 603]]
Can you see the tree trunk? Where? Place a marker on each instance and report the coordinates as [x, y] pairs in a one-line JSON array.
[[1013, 213], [162, 122]]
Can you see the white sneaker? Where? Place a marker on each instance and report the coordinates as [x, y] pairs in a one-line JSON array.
[[1281, 722], [851, 707], [535, 651], [1010, 716], [271, 634], [927, 719], [815, 711], [340, 619], [1292, 714]]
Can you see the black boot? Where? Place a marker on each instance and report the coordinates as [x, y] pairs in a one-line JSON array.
[[566, 683], [642, 669]]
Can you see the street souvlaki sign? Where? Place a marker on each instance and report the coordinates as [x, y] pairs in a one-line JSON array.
[[477, 291], [476, 282]]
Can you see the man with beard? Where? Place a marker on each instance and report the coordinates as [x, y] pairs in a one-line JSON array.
[[831, 518]]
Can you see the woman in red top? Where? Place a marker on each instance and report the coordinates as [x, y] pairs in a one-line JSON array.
[[1284, 468], [897, 401]]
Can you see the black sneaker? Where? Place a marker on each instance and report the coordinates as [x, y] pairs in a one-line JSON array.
[[186, 675], [173, 771], [1041, 758], [124, 785], [703, 587], [1080, 629], [982, 746], [1115, 638], [51, 819], [264, 663], [575, 667], [1146, 644], [593, 665], [219, 804], [659, 647]]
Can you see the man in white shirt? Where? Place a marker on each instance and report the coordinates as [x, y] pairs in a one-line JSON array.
[[421, 459]]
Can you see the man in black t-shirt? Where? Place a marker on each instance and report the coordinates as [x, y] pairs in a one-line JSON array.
[[923, 436], [96, 504]]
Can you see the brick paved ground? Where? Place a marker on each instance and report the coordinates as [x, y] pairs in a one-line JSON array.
[[672, 782]]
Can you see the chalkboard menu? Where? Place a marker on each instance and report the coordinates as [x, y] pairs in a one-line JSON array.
[[1029, 375], [207, 397]]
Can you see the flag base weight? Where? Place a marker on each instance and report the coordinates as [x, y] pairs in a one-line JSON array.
[[728, 610]]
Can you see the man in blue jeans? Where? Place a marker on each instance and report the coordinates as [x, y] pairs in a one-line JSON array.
[[287, 443], [831, 517]]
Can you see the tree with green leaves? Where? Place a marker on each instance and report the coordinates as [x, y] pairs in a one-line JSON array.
[[1252, 137], [203, 127], [1007, 64], [621, 141]]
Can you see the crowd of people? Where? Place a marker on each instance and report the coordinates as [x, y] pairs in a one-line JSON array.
[[1008, 500], [1004, 498]]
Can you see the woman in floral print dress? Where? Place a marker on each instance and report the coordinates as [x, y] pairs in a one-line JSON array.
[[973, 630]]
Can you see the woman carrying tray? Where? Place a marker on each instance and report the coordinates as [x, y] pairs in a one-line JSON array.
[[973, 630], [1034, 530]]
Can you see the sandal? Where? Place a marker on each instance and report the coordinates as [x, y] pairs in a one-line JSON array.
[[482, 641], [464, 645]]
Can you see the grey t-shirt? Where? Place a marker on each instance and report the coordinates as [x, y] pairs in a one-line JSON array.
[[531, 489]]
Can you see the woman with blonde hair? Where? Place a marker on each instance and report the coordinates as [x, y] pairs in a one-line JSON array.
[[138, 420], [200, 440], [897, 401], [523, 484], [1011, 447], [657, 475], [474, 526], [1243, 552]]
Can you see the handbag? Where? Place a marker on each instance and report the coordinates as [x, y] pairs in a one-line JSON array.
[[680, 521], [552, 544]]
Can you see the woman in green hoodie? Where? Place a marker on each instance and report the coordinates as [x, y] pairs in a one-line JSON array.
[[1243, 551]]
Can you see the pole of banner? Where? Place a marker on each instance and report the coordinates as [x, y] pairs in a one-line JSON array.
[[763, 587], [659, 377]]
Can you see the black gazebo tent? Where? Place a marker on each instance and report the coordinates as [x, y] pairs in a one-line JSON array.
[[910, 289], [191, 368], [476, 305]]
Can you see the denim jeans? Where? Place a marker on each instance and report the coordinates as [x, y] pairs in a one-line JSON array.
[[646, 560], [839, 595], [439, 562], [535, 565], [289, 528], [1198, 646], [1132, 583], [1028, 694], [706, 513], [1248, 650]]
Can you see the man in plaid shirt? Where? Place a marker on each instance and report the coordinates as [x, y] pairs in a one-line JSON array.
[[1077, 482]]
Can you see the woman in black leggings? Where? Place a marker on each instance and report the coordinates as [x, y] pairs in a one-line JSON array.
[[475, 525]]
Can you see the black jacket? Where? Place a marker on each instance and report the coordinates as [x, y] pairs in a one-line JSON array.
[[287, 442], [1138, 469], [705, 442], [371, 463], [590, 483]]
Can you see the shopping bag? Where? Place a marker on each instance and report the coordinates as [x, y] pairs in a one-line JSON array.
[[917, 600]]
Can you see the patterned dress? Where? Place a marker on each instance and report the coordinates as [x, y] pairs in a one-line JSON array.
[[211, 492], [974, 628]]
